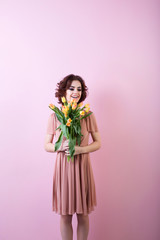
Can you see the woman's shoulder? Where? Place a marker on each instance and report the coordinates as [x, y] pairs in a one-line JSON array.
[[52, 116], [91, 122], [91, 116]]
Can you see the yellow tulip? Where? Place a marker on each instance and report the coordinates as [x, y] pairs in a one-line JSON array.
[[82, 113], [87, 109], [51, 106], [87, 106], [63, 99], [80, 104], [65, 109]]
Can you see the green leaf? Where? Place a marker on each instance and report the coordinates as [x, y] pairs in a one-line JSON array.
[[75, 128], [86, 115], [59, 117], [68, 158], [59, 112], [79, 129], [67, 132], [64, 129], [72, 143], [59, 141], [79, 139], [59, 127], [77, 114]]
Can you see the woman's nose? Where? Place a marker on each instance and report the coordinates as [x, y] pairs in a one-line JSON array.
[[75, 90]]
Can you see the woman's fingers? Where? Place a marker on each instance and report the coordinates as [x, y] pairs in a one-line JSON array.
[[67, 152], [64, 146]]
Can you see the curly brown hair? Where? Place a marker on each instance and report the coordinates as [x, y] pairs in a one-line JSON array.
[[65, 84]]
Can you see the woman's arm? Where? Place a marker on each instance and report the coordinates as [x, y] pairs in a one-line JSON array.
[[95, 145], [48, 145]]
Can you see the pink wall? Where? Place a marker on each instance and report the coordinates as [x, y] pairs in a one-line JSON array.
[[113, 45]]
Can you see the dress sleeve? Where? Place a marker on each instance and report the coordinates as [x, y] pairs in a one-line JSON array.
[[51, 126], [92, 123]]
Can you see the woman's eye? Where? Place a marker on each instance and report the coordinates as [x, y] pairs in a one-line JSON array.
[[72, 89]]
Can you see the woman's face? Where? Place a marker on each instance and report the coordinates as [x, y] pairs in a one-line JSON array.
[[74, 91]]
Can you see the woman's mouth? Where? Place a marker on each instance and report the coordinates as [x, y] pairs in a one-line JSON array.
[[75, 97]]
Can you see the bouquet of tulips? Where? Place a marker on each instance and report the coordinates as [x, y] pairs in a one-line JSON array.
[[69, 115]]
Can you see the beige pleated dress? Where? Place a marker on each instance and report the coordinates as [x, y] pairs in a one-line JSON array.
[[73, 182]]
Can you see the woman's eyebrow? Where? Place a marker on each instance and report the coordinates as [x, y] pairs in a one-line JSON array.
[[74, 87]]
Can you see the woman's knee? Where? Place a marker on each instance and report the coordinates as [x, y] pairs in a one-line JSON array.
[[82, 219], [67, 219]]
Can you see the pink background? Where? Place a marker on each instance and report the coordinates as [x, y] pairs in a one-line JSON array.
[[113, 45]]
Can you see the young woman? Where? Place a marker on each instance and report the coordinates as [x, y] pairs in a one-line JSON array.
[[73, 181]]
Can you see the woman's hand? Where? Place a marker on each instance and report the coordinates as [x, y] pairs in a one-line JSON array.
[[78, 150], [64, 146]]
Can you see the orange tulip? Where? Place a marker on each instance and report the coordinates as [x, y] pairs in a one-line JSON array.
[[74, 106], [69, 120], [73, 101], [51, 106], [69, 103]]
